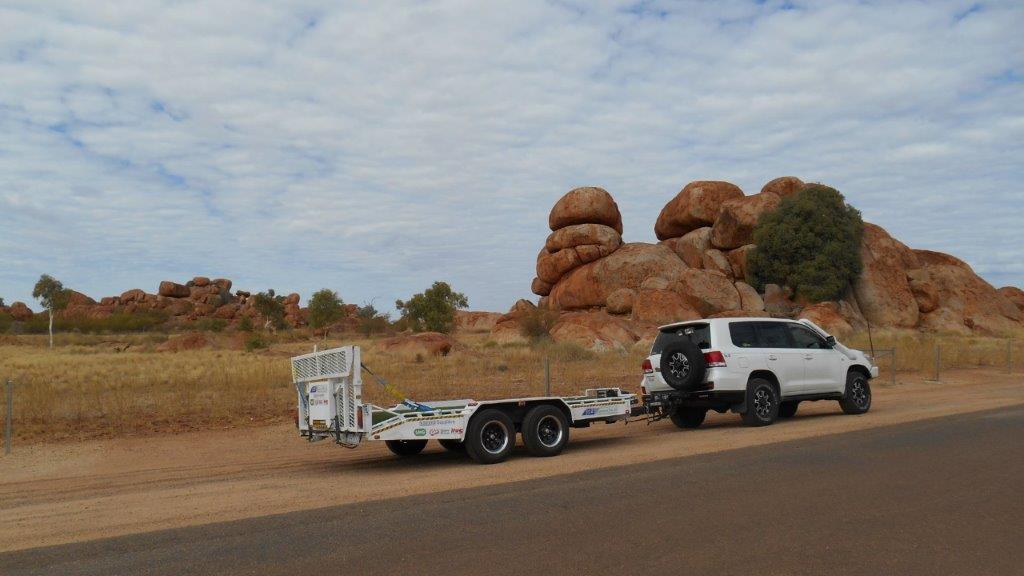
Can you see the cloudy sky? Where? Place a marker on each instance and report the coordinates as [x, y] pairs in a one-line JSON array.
[[378, 146]]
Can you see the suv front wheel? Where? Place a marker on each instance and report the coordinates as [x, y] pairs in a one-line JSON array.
[[762, 403], [857, 399]]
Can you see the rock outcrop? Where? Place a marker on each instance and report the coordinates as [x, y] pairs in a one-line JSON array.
[[590, 285], [20, 311], [474, 321], [597, 331], [735, 224], [585, 226], [697, 204], [700, 268], [423, 344], [883, 290]]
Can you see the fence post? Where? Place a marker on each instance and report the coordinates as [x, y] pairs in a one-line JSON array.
[[9, 419], [938, 361], [547, 376], [1009, 355]]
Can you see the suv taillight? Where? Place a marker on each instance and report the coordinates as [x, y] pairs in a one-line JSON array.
[[714, 359], [648, 368]]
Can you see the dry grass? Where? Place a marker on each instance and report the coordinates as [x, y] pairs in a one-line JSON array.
[[85, 389]]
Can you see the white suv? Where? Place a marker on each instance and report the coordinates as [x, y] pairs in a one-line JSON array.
[[761, 368]]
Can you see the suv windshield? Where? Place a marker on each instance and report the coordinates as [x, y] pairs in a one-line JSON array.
[[701, 336]]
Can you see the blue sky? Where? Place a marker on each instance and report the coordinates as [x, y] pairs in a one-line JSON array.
[[375, 147]]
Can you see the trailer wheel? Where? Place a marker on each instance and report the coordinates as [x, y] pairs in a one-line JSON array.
[[406, 447], [490, 436], [545, 431], [453, 445]]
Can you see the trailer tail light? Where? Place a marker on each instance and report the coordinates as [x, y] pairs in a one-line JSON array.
[[359, 418], [714, 359], [647, 366]]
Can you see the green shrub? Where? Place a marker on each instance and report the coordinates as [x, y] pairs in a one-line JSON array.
[[325, 308], [271, 307], [535, 325], [433, 309], [255, 341], [141, 321], [245, 324], [811, 243], [211, 324]]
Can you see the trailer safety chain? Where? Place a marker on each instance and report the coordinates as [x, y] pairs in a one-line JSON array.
[[402, 399]]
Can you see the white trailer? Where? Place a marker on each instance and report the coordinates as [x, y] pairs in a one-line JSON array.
[[330, 390]]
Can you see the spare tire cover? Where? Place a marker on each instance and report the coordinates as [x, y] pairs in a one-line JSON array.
[[682, 365]]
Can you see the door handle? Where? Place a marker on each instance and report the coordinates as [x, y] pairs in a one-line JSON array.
[[773, 357], [809, 357]]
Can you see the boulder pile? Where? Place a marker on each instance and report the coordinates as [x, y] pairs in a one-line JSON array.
[[608, 293], [184, 304], [585, 225]]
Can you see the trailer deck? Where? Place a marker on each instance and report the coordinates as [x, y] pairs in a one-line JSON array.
[[329, 390]]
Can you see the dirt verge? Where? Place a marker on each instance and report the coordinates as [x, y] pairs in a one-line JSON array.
[[54, 494]]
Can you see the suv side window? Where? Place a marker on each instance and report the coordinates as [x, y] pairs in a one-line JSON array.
[[806, 338], [773, 335], [743, 334]]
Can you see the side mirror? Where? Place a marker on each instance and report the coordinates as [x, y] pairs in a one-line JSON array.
[[831, 341]]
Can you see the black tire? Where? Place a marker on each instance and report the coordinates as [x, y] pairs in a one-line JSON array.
[[688, 417], [453, 445], [545, 431], [857, 398], [490, 436], [683, 365], [762, 403], [406, 447], [788, 409]]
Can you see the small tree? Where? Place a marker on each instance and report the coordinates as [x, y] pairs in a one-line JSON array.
[[1, 303], [52, 295], [325, 308], [811, 243], [434, 309], [271, 307], [370, 320], [535, 324]]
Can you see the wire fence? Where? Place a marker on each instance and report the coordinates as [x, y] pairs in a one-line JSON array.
[[219, 392]]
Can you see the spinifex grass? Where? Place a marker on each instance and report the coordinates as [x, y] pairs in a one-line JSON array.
[[85, 388]]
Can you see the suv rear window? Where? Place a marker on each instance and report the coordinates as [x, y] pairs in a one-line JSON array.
[[701, 336], [743, 334], [773, 335], [762, 334]]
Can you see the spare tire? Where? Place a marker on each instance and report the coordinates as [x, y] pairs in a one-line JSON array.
[[683, 365]]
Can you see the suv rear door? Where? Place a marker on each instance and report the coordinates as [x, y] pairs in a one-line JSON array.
[[781, 358], [824, 370]]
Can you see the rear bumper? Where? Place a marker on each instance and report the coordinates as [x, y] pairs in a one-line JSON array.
[[874, 371], [658, 401]]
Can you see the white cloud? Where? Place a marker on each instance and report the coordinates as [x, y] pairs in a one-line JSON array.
[[378, 146]]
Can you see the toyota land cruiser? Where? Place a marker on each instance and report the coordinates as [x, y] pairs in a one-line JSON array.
[[761, 368]]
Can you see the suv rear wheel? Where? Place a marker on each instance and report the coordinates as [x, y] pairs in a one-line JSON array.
[[762, 403], [688, 417]]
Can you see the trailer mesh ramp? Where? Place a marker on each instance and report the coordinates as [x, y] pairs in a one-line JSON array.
[[331, 364]]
